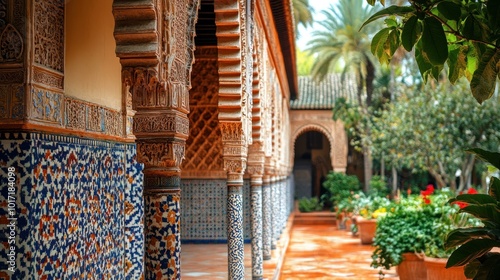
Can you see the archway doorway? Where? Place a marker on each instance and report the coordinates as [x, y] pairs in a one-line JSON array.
[[312, 163]]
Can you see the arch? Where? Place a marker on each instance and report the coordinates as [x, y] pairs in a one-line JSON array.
[[312, 127]]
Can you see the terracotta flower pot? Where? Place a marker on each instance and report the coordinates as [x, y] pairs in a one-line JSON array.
[[436, 270], [412, 267], [366, 229]]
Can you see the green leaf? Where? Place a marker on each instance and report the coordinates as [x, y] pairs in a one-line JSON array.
[[457, 62], [378, 46], [434, 43], [492, 158], [470, 251], [489, 268], [470, 269], [487, 213], [391, 22], [460, 236], [392, 10], [450, 10], [411, 32], [484, 79], [472, 61], [494, 190], [475, 199]]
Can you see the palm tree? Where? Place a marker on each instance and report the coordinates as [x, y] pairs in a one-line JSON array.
[[302, 13], [341, 45]]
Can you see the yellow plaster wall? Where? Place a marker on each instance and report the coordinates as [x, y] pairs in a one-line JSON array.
[[92, 70]]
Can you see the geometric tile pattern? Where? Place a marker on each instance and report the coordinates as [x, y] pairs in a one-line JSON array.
[[235, 235], [162, 235], [70, 205], [204, 210], [256, 204], [266, 221], [134, 216]]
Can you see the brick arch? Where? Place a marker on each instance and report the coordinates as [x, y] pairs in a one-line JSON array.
[[312, 127], [321, 121]]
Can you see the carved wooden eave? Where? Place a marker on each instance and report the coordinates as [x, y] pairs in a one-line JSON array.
[[136, 32], [155, 44], [280, 33]]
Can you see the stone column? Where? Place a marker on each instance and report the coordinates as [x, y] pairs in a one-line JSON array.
[[154, 39], [275, 208], [235, 154], [266, 218], [256, 170]]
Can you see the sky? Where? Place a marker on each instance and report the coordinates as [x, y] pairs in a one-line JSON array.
[[305, 34]]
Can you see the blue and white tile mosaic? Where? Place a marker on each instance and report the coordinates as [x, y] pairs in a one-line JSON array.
[[256, 214], [204, 211], [266, 221], [70, 205], [235, 235]]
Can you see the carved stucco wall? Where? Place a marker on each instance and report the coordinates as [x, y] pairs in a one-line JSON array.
[[204, 145], [321, 120]]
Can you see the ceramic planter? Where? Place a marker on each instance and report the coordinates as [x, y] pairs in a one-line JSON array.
[[412, 267], [436, 270], [366, 229]]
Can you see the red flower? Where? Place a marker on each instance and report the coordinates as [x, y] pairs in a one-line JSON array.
[[461, 204], [427, 200], [471, 191]]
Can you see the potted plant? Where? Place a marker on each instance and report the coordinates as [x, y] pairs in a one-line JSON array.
[[369, 209], [404, 230], [475, 244], [436, 254], [399, 234]]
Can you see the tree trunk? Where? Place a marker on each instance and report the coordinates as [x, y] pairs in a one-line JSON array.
[[382, 167], [466, 175], [367, 161], [394, 181]]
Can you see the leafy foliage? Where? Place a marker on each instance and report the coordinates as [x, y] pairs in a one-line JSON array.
[[476, 243], [436, 125], [463, 34], [339, 186], [310, 204], [417, 224]]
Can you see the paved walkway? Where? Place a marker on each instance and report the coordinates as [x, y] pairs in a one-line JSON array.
[[323, 252], [313, 252]]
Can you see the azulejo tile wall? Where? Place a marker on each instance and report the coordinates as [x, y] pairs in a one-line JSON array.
[[204, 211], [71, 196]]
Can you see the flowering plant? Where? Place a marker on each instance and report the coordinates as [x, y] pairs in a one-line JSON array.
[[418, 224], [474, 244]]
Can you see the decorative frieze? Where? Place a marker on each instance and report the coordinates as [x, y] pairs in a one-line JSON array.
[[48, 48], [46, 105], [48, 78], [86, 116], [156, 154], [161, 123]]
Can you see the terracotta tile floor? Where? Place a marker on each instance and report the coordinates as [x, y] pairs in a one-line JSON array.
[[323, 252], [314, 252]]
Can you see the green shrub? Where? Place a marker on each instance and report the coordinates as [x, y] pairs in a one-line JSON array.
[[339, 186], [378, 186], [310, 204]]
